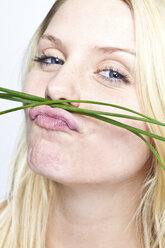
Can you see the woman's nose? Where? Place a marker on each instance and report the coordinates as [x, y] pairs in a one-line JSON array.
[[62, 89]]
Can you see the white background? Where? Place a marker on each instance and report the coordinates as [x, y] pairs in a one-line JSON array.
[[18, 21]]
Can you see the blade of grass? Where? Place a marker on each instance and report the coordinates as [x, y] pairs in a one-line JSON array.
[[75, 110], [19, 108], [80, 110], [32, 97], [130, 128], [111, 121], [152, 149], [136, 131], [22, 95], [14, 98]]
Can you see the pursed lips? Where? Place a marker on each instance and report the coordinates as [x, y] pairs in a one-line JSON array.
[[53, 117]]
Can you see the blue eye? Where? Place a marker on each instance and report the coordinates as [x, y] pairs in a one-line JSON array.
[[107, 74], [113, 76], [46, 60]]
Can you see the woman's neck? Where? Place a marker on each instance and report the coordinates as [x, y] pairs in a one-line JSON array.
[[94, 216]]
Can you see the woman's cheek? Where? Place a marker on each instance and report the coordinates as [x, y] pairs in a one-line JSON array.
[[36, 82], [42, 153]]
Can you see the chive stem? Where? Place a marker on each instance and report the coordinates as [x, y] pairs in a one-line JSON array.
[[32, 101]]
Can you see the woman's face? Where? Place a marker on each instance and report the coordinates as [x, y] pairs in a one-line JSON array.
[[85, 34]]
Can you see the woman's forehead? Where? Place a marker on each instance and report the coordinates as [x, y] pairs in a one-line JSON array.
[[93, 22]]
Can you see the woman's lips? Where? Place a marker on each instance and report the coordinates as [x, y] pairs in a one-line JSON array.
[[53, 118]]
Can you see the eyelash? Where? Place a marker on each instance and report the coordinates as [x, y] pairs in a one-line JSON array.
[[43, 57], [111, 69], [124, 77]]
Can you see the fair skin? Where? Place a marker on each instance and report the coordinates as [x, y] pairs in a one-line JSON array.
[[98, 171]]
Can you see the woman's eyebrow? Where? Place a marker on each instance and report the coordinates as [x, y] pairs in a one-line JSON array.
[[109, 50], [115, 49], [52, 38]]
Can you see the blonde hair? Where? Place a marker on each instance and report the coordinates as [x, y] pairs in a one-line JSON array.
[[24, 213]]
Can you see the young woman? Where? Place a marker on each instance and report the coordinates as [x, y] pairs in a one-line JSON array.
[[91, 184]]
